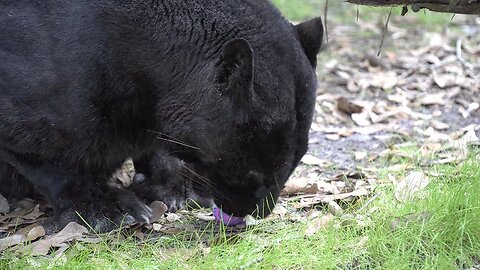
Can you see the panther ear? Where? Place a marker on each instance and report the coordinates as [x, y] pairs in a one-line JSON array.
[[310, 34], [235, 74]]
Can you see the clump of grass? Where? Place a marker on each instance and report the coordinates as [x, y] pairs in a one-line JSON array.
[[448, 238]]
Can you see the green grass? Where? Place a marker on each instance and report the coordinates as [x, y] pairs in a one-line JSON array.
[[300, 9], [449, 239]]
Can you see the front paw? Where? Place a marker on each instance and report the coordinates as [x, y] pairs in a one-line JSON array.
[[171, 193], [100, 209]]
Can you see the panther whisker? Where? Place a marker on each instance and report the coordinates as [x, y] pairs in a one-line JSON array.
[[169, 138], [207, 184]]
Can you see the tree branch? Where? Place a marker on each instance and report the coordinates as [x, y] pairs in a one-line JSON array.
[[447, 6]]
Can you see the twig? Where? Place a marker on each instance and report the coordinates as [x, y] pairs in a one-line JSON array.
[[385, 30], [460, 57], [369, 201], [325, 14]]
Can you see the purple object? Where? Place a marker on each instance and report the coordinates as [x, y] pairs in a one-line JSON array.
[[226, 219]]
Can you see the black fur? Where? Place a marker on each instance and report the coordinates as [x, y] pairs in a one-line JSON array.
[[226, 86]]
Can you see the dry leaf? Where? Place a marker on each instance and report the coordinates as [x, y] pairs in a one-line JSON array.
[[348, 107], [22, 208], [30, 233], [35, 233], [332, 137], [11, 241], [312, 160], [335, 209], [70, 233], [439, 125], [360, 155], [432, 99], [172, 217], [469, 136], [361, 119], [280, 210], [322, 198], [319, 223], [157, 227], [327, 188], [158, 210], [300, 185], [412, 184]]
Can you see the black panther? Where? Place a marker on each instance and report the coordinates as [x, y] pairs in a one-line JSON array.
[[227, 87]]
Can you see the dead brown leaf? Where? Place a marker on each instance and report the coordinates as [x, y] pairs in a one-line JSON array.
[[159, 209], [300, 185], [30, 233], [71, 232], [315, 225], [406, 189], [347, 106], [309, 201]]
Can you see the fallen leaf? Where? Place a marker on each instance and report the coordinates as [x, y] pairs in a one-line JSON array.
[[319, 223], [22, 208], [335, 209], [332, 137], [29, 233], [439, 125], [348, 107], [361, 119], [251, 221], [158, 209], [312, 160], [469, 136], [410, 185], [327, 188], [172, 217], [157, 227], [432, 99], [35, 233], [70, 233], [171, 229], [360, 155], [308, 201], [280, 210], [300, 185]]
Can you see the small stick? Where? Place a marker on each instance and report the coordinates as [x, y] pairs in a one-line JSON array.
[[370, 201], [460, 57], [325, 13], [385, 30]]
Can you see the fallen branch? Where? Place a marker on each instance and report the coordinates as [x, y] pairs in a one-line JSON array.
[[447, 6]]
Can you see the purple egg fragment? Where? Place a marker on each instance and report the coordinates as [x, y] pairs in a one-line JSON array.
[[226, 219]]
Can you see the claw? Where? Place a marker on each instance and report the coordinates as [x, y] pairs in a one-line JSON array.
[[146, 219], [129, 220]]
